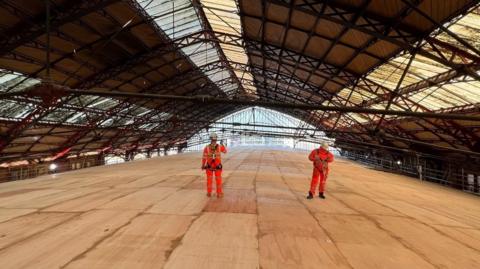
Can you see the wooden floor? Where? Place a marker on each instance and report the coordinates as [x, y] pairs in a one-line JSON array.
[[154, 213]]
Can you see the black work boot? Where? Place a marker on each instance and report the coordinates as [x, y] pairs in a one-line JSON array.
[[310, 195], [321, 196]]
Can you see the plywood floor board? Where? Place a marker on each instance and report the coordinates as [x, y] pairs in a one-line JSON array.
[[154, 214]]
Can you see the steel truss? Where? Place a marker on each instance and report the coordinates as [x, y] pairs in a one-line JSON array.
[[280, 74]]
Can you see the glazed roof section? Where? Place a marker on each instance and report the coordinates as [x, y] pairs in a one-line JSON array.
[[71, 113], [178, 18], [450, 94], [223, 17]]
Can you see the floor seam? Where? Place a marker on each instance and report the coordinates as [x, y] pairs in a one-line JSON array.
[[318, 223]]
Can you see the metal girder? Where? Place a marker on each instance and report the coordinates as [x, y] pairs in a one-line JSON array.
[[354, 12], [86, 93], [421, 85], [71, 55], [109, 72], [341, 141], [377, 21], [187, 132], [333, 43], [180, 79], [142, 58], [331, 70], [186, 77], [77, 137], [94, 123], [264, 77], [18, 127], [186, 123], [223, 58], [335, 72], [234, 124], [312, 61], [25, 58], [299, 60], [74, 13], [160, 32], [442, 27], [124, 105], [394, 94], [297, 84], [166, 135], [469, 108], [146, 118], [414, 106], [209, 99], [283, 43], [194, 74], [26, 32], [226, 38], [294, 83], [82, 47], [112, 71], [464, 54], [381, 36], [305, 60]]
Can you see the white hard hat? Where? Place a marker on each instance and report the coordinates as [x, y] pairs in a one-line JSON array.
[[213, 136], [325, 145]]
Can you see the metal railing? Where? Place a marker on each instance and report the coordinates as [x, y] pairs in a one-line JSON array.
[[458, 178], [21, 172]]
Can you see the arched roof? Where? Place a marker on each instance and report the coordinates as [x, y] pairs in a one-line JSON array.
[[419, 56]]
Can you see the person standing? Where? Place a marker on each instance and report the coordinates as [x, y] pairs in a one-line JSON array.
[[212, 164], [320, 157]]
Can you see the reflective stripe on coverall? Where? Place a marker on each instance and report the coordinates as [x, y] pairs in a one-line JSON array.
[[320, 169], [212, 159]]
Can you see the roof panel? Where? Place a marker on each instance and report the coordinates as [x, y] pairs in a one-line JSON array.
[[288, 65], [223, 17]]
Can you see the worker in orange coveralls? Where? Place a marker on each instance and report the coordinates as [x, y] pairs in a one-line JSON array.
[[320, 158], [212, 163]]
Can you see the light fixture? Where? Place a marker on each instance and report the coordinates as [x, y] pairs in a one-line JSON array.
[[399, 162], [52, 167]]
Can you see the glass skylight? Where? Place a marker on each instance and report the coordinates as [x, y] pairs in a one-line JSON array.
[[178, 18]]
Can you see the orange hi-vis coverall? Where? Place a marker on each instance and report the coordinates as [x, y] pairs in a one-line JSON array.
[[320, 168], [212, 162]]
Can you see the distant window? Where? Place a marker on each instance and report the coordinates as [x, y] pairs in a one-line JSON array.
[[261, 127]]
